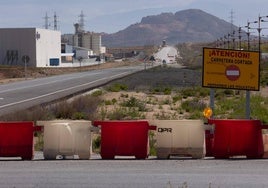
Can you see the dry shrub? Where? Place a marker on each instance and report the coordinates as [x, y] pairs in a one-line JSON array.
[[83, 107]]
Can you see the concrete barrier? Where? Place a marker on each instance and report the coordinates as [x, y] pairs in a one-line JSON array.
[[180, 137]]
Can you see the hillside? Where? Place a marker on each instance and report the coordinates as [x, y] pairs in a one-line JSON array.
[[191, 25]]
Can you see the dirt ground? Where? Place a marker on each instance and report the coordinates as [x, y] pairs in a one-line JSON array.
[[157, 108]]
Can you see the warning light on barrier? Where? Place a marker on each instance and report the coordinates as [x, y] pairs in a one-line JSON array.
[[207, 112]]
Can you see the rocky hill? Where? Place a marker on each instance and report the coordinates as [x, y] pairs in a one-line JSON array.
[[191, 25]]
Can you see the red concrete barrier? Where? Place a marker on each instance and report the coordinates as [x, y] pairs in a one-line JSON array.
[[16, 139], [124, 138], [237, 138], [209, 138]]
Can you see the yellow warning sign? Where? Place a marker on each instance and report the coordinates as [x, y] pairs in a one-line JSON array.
[[231, 69]]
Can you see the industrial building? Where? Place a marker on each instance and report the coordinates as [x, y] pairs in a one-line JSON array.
[[41, 47], [88, 40], [48, 48], [85, 44]]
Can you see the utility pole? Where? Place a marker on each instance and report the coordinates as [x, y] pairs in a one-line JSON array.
[[232, 20], [46, 21], [82, 21], [55, 22]]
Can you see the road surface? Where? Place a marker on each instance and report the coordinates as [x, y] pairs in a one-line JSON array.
[[25, 94], [130, 173]]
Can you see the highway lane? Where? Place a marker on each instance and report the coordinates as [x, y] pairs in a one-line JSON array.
[[24, 94], [126, 172]]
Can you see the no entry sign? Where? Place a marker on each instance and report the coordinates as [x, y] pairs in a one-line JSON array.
[[232, 72], [231, 69]]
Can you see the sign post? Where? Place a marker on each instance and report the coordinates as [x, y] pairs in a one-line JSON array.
[[232, 69], [25, 59]]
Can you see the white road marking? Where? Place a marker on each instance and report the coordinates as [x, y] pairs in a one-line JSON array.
[[36, 85], [62, 90]]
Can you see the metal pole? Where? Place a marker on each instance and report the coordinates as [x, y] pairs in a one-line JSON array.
[[25, 68], [248, 104], [233, 39], [247, 91], [239, 37], [228, 41], [212, 100], [259, 31]]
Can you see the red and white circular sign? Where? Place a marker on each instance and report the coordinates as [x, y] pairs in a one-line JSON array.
[[232, 72]]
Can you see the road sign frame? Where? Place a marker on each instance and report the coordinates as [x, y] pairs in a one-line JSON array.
[[25, 59], [231, 69]]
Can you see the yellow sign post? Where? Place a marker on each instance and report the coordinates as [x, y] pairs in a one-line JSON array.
[[231, 69]]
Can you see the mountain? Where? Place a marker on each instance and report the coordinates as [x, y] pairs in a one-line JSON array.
[[192, 25]]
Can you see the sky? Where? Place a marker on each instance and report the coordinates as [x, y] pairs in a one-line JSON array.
[[111, 16]]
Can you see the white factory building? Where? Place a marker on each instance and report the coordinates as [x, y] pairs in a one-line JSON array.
[[42, 47]]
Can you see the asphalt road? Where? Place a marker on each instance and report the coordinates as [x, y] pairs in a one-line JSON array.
[[28, 93], [24, 94], [130, 173]]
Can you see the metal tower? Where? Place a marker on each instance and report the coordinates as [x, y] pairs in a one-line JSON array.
[[232, 19], [55, 21], [82, 21], [46, 21]]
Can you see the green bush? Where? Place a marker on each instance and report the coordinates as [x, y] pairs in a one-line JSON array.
[[166, 101], [234, 108], [196, 115], [259, 108], [165, 116], [176, 98], [156, 90], [83, 107], [96, 93], [188, 92], [161, 90], [152, 143], [133, 102], [79, 115], [193, 105], [117, 114], [167, 91], [204, 92], [124, 95], [124, 113], [108, 102], [96, 144], [86, 105], [40, 142], [117, 87], [229, 92], [114, 101]]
